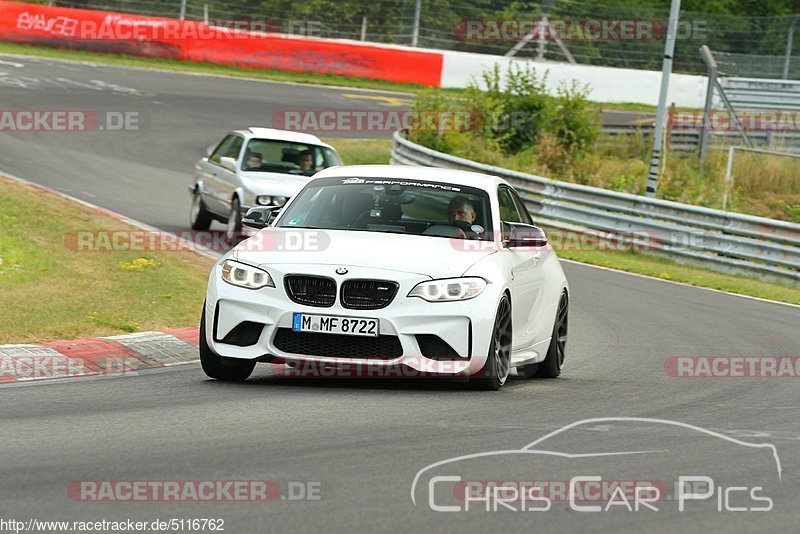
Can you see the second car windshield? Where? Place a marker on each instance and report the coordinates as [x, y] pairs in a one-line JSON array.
[[391, 205], [267, 155]]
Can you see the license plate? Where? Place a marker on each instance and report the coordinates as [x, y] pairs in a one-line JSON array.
[[332, 324]]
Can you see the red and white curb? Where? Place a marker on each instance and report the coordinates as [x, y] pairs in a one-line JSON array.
[[115, 355]]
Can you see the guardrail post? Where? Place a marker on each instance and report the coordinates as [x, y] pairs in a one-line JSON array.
[[728, 177]]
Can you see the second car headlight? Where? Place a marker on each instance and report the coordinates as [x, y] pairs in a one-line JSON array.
[[267, 200], [449, 289], [247, 276]]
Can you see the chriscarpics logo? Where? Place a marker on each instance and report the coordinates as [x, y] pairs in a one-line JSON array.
[[609, 465]]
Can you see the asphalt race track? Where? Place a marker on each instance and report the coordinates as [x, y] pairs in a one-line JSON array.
[[358, 445], [144, 174]]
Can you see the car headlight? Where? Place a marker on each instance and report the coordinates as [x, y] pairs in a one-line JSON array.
[[247, 276], [267, 200], [449, 289]]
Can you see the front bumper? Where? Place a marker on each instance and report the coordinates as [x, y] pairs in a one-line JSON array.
[[466, 326]]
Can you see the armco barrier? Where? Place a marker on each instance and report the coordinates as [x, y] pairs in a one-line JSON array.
[[730, 241], [103, 31]]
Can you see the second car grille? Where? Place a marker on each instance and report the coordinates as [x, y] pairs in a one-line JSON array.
[[338, 345], [311, 290], [368, 294]]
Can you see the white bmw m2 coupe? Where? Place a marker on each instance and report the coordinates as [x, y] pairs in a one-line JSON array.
[[435, 271]]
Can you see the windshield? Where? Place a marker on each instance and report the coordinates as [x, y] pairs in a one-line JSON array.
[[267, 155], [392, 206]]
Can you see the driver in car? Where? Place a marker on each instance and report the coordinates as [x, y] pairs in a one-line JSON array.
[[254, 161], [461, 214], [306, 162], [461, 209]]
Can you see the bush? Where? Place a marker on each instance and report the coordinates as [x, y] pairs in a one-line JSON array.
[[515, 114], [576, 122]]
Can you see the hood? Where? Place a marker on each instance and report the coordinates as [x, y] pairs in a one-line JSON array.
[[273, 183], [437, 257]]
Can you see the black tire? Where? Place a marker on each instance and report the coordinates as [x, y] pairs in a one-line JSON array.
[[199, 217], [233, 228], [554, 360], [495, 370], [212, 363]]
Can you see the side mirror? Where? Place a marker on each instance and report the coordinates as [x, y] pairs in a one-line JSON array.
[[259, 218], [228, 163], [524, 235]]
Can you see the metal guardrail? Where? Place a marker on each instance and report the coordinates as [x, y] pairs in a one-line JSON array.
[[725, 240], [758, 93], [687, 140]]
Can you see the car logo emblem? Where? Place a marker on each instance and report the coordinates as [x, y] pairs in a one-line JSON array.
[[341, 270]]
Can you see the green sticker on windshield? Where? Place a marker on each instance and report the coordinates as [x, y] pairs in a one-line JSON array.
[[295, 221]]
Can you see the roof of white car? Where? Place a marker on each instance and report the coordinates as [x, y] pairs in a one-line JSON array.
[[429, 174], [284, 135]]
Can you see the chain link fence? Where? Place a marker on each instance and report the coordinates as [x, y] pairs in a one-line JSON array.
[[757, 66], [575, 31]]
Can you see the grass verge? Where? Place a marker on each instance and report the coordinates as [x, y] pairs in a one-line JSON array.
[[669, 270], [362, 151], [49, 291]]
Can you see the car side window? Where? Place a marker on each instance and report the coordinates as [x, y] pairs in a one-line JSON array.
[[222, 148], [522, 208], [235, 148], [508, 208]]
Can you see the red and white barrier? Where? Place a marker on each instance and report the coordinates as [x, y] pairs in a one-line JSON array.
[[103, 31]]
